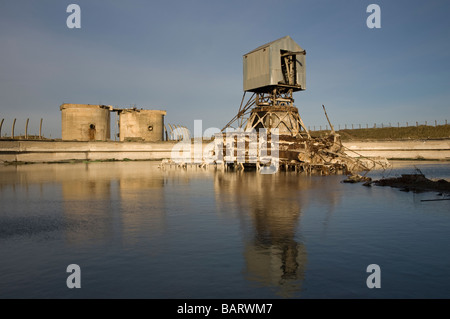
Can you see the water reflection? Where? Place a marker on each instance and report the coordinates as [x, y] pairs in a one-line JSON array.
[[125, 205], [274, 254], [222, 229], [122, 201], [142, 202], [86, 195]]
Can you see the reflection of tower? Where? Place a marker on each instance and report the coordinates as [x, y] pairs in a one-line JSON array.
[[273, 255], [273, 72]]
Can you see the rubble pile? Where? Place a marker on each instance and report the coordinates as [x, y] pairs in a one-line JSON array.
[[311, 155]]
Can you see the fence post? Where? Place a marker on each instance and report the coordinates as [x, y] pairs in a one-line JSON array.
[[26, 129], [417, 123], [40, 130], [1, 124], [12, 129]]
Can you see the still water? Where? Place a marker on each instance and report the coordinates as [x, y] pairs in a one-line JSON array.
[[137, 231]]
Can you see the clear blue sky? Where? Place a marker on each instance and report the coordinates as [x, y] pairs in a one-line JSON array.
[[185, 57]]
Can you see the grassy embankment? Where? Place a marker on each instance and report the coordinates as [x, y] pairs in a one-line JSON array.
[[392, 133]]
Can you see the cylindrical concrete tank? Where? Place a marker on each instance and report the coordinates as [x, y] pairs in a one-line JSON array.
[[85, 122], [141, 125]]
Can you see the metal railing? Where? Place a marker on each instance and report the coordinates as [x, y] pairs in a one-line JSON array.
[[21, 135]]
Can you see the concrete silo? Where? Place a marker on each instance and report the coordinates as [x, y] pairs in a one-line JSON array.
[[85, 122], [141, 125]]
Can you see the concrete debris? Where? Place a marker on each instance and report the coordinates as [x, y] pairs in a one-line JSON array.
[[311, 155]]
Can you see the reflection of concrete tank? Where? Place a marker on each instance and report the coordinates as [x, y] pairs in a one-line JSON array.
[[85, 122], [141, 125]]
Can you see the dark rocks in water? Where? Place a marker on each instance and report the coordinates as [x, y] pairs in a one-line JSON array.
[[357, 179], [415, 183]]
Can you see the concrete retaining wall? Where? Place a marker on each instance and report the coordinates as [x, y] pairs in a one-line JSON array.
[[46, 151], [405, 149], [52, 151]]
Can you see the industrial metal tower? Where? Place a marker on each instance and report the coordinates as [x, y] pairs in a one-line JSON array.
[[273, 72]]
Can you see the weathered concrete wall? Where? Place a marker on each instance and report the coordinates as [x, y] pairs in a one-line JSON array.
[[51, 151], [145, 125], [85, 122], [47, 151], [405, 149]]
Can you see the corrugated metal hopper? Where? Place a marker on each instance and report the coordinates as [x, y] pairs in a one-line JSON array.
[[273, 72], [280, 63]]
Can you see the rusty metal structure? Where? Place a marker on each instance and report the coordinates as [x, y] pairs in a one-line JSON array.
[[272, 73]]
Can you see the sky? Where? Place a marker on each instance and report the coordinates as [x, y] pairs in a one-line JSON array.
[[185, 57]]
